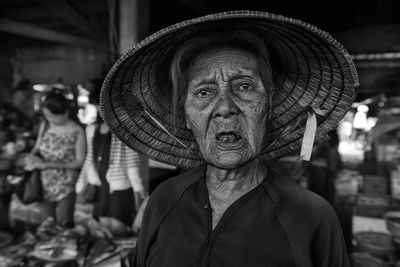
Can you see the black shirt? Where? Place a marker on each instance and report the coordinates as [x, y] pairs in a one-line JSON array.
[[278, 223]]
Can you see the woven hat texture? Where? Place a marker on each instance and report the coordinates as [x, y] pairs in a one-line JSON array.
[[316, 74]]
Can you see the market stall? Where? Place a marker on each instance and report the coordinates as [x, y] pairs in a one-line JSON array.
[[27, 236], [87, 244], [367, 193]]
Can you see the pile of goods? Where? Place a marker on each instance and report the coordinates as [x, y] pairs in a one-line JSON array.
[[83, 245], [376, 249]]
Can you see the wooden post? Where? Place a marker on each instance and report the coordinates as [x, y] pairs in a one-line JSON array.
[[133, 27], [133, 23]]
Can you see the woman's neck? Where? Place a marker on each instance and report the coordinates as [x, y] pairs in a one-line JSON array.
[[225, 183], [60, 127]]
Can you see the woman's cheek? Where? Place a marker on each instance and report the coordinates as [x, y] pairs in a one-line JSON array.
[[198, 129]]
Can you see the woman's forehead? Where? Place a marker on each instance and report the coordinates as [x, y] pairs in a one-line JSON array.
[[233, 54], [229, 61]]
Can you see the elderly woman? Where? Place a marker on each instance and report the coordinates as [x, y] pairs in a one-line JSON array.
[[226, 95]]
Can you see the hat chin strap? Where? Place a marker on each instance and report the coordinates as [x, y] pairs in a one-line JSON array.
[[309, 133], [309, 136]]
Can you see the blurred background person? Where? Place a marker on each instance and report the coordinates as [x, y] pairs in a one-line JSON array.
[[18, 127], [19, 119], [116, 172], [59, 153], [23, 98]]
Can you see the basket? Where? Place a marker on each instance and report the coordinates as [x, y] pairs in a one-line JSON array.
[[363, 259], [376, 243], [392, 219]]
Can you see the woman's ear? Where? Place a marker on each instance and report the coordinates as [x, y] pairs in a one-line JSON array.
[[187, 123]]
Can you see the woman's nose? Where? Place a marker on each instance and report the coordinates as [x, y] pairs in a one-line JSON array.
[[225, 107]]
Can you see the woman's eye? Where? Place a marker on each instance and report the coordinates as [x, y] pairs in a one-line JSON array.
[[245, 87], [203, 93]]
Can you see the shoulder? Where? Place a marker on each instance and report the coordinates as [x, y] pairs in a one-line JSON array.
[[118, 144], [291, 198], [169, 192], [76, 128], [302, 214], [309, 222], [160, 203], [174, 186], [166, 196]]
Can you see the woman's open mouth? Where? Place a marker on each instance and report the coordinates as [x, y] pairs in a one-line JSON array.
[[228, 137]]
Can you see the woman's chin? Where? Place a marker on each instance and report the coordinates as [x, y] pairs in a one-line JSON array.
[[227, 161]]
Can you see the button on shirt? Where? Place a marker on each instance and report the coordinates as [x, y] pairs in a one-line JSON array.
[[278, 223]]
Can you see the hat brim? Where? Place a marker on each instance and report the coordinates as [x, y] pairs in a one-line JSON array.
[[316, 73]]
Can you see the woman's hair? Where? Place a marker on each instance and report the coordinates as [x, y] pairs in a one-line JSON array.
[[56, 103], [191, 48]]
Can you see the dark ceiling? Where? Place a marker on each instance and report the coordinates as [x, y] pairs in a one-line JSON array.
[[363, 26], [40, 22], [89, 19]]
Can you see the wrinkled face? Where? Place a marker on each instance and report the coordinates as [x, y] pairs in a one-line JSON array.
[[226, 106], [55, 119]]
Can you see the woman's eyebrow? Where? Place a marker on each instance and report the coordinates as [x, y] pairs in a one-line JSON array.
[[202, 82], [240, 76], [211, 79]]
